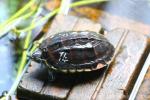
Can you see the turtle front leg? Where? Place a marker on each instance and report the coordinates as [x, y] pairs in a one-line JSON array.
[[51, 75]]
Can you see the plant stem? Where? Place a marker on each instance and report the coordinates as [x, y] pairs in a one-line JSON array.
[[18, 79], [64, 7], [24, 55], [38, 11], [21, 67], [21, 11], [54, 12], [15, 22], [15, 84]]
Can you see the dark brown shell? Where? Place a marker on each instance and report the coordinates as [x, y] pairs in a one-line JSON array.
[[76, 50]]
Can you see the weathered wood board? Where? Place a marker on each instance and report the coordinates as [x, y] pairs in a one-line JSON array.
[[119, 80], [125, 68]]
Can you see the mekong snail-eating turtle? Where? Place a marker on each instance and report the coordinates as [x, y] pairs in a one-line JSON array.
[[75, 51]]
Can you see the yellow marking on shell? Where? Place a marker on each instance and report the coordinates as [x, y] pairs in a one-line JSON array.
[[80, 70], [88, 70], [53, 68], [64, 71], [99, 66], [50, 67], [72, 70]]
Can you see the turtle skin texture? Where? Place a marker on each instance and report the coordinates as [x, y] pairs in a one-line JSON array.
[[76, 51]]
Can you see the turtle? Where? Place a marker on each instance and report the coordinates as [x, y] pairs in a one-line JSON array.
[[74, 51]]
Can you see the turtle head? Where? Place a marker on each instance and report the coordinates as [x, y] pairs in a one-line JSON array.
[[37, 56]]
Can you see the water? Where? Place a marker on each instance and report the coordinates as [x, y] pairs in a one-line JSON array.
[[6, 65]]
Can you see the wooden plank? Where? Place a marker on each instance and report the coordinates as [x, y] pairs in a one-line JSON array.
[[62, 23], [144, 90], [82, 26], [125, 68], [140, 78], [35, 83]]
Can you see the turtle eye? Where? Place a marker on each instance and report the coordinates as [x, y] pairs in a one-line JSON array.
[[36, 56]]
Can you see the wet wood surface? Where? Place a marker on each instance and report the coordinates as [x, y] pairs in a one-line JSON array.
[[117, 85]]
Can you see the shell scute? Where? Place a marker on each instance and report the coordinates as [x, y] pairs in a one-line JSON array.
[[77, 50]]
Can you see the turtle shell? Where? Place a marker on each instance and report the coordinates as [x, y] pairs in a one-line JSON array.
[[76, 51]]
